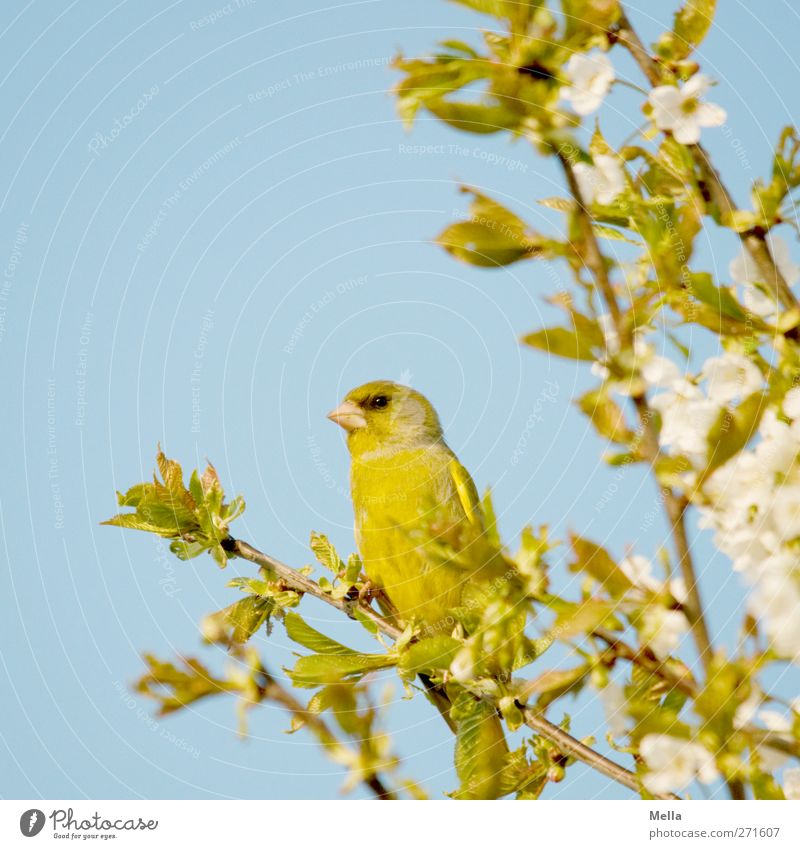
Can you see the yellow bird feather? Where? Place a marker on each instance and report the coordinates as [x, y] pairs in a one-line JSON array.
[[411, 499]]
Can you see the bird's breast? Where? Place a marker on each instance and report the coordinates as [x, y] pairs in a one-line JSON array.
[[395, 499]]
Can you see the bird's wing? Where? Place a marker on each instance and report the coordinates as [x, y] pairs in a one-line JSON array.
[[467, 492]]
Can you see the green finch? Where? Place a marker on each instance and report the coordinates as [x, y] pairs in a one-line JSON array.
[[412, 499]]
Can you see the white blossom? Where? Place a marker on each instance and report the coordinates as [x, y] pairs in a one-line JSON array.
[[686, 413], [773, 759], [640, 572], [746, 711], [673, 763], [602, 181], [744, 271], [791, 783], [639, 569], [591, 78], [777, 452], [614, 703], [759, 303], [785, 515], [686, 418], [753, 506], [731, 376], [660, 372], [611, 336], [462, 667], [791, 403], [663, 629], [680, 110], [776, 600], [775, 721]]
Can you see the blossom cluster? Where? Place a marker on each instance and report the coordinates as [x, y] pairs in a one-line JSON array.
[[752, 502], [754, 510]]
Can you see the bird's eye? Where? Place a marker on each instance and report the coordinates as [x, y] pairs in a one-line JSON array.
[[379, 402]]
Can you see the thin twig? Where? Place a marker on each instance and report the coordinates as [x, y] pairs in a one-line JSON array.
[[674, 505], [754, 240], [593, 256], [300, 583], [681, 681], [569, 745]]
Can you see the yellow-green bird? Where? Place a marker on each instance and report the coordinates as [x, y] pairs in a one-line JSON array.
[[408, 490]]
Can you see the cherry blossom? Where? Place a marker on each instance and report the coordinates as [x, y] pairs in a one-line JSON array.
[[591, 78], [744, 271], [673, 763], [602, 182], [680, 110]]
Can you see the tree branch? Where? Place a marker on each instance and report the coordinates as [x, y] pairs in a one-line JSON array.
[[300, 583], [275, 692], [681, 681], [674, 505], [753, 240], [580, 751]]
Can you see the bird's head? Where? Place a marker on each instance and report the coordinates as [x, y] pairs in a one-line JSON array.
[[383, 415]]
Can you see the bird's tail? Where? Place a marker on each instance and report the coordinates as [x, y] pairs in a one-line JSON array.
[[481, 748]]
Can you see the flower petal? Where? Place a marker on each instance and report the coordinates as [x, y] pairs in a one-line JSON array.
[[686, 129], [710, 115]]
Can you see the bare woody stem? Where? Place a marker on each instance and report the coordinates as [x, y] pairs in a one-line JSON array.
[[300, 583], [674, 505], [580, 751], [753, 240], [292, 579]]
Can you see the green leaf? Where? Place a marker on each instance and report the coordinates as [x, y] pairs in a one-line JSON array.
[[302, 633], [587, 21], [239, 621], [598, 146], [583, 618], [605, 232], [429, 655], [606, 416], [559, 204], [733, 429], [493, 236], [174, 688], [478, 244], [674, 701], [692, 22], [480, 118], [481, 750], [325, 553], [764, 784], [596, 561], [254, 586], [457, 46], [495, 8], [491, 534], [701, 285], [522, 777], [315, 670], [427, 80], [561, 342], [555, 683], [197, 518], [354, 569], [186, 550]]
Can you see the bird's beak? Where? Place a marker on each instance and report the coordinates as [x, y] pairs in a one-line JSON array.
[[349, 415]]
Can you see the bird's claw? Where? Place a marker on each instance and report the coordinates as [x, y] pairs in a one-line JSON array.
[[368, 593]]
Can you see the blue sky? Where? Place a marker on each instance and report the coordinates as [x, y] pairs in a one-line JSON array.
[[212, 225]]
